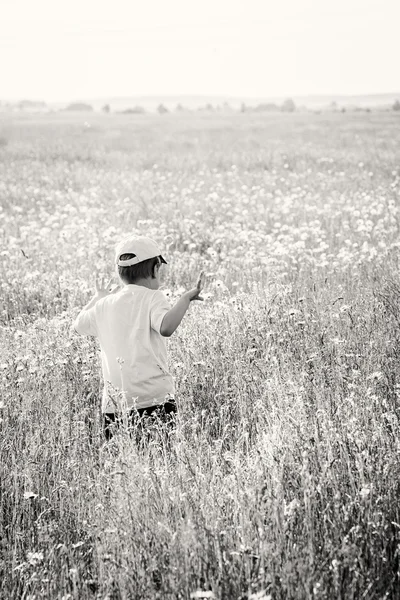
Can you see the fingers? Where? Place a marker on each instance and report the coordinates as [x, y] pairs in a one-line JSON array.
[[102, 287], [200, 281]]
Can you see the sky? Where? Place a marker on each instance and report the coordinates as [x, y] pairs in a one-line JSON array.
[[58, 50]]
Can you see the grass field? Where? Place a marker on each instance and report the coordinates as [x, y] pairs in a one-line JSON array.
[[283, 480]]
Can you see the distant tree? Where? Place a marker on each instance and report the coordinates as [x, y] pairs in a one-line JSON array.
[[179, 108], [396, 105], [343, 109], [162, 109], [32, 105], [243, 107], [106, 108], [136, 110], [266, 107], [79, 107], [334, 106], [288, 105], [209, 108]]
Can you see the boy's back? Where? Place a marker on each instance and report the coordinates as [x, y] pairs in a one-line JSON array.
[[132, 324], [134, 353]]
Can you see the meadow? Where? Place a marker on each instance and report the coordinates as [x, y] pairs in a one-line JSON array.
[[282, 480]]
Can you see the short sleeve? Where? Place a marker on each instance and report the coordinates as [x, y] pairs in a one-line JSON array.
[[158, 309], [85, 323]]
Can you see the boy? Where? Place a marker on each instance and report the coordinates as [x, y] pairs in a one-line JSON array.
[[132, 323]]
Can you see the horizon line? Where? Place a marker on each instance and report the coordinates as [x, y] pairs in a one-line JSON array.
[[195, 95]]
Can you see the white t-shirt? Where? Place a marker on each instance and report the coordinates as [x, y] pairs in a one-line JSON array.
[[133, 351]]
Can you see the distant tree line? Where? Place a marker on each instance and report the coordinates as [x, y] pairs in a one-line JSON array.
[[287, 106], [79, 107]]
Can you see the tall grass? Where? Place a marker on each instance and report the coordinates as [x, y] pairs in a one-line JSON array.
[[282, 478]]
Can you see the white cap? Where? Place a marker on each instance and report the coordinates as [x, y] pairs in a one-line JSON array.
[[142, 247]]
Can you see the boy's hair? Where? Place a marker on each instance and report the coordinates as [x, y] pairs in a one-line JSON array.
[[143, 270]]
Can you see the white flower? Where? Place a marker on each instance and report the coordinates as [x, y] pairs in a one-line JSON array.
[[365, 491], [207, 296], [291, 508], [376, 376], [34, 557], [219, 285], [30, 495], [337, 340], [260, 596]]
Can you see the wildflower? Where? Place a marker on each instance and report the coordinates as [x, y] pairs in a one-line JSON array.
[[291, 508], [337, 341], [365, 491], [260, 596], [376, 376], [212, 253], [317, 588], [30, 495], [34, 558], [207, 296], [219, 285]]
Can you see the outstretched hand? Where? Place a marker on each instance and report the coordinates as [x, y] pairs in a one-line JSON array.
[[103, 290], [194, 294]]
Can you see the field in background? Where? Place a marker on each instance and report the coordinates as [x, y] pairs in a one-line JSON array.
[[283, 479]]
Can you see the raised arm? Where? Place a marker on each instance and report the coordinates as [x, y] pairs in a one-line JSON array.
[[174, 316], [85, 322]]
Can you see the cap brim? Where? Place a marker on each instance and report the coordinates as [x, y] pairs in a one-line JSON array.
[[163, 260]]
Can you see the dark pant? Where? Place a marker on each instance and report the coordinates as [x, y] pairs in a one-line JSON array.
[[142, 419]]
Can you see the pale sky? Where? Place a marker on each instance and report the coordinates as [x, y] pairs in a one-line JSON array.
[[59, 50]]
